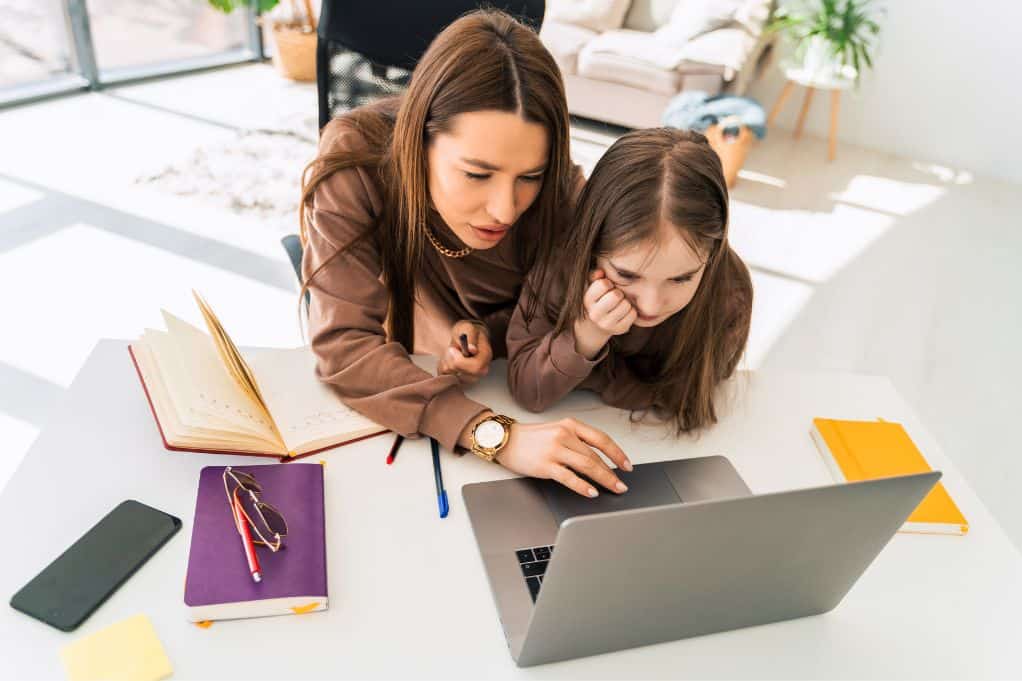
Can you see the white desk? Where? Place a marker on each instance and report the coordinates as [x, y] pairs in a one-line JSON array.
[[408, 597]]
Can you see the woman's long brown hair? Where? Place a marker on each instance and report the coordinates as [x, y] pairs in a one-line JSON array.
[[647, 178], [486, 60]]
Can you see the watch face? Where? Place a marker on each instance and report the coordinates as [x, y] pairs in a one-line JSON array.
[[489, 434]]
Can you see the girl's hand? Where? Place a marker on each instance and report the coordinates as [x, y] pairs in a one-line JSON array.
[[469, 368], [607, 313], [562, 450]]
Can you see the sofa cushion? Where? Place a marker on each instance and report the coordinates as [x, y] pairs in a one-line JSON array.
[[727, 47], [691, 18], [564, 42], [649, 15], [596, 15], [753, 16], [636, 45], [629, 70]]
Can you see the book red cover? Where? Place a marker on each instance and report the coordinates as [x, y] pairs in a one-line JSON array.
[[167, 445]]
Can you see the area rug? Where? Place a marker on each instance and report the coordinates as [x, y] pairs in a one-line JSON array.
[[257, 174]]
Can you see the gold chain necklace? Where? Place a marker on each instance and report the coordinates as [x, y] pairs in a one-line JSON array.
[[443, 250]]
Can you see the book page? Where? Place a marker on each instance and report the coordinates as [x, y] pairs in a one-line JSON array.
[[203, 430], [196, 379], [229, 353], [304, 409]]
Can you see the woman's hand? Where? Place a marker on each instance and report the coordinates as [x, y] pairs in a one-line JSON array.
[[562, 450], [607, 313], [469, 368]]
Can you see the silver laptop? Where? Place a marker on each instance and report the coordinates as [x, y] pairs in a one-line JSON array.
[[688, 550]]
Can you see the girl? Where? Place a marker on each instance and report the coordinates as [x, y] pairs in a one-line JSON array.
[[421, 216], [651, 307]]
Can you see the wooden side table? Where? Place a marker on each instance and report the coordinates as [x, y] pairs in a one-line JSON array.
[[813, 82]]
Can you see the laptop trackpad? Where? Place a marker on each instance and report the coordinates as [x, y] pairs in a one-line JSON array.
[[648, 485]]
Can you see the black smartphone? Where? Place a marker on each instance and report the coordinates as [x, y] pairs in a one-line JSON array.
[[70, 588]]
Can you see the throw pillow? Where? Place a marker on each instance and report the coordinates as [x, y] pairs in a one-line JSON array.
[[596, 15], [753, 15], [649, 15], [696, 17]]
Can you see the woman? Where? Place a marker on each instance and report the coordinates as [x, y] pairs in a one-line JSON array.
[[421, 216], [650, 306]]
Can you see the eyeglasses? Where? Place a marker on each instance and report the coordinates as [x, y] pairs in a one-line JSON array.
[[246, 495]]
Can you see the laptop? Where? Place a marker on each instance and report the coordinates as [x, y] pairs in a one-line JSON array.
[[687, 551]]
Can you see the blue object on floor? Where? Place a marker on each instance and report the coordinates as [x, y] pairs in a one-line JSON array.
[[695, 110]]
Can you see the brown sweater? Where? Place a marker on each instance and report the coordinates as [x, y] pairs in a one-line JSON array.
[[543, 368], [371, 373]]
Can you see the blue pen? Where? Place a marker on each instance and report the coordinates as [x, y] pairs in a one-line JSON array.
[[441, 493]]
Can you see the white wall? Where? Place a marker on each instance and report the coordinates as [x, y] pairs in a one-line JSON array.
[[946, 88]]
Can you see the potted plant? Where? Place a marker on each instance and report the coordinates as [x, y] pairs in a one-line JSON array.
[[294, 34], [831, 38]]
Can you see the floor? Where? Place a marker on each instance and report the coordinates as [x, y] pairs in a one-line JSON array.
[[870, 264]]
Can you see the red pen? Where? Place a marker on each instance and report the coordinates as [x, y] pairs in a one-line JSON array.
[[398, 439], [246, 539]]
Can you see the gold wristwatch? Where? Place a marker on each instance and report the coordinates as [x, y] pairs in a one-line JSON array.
[[490, 435]]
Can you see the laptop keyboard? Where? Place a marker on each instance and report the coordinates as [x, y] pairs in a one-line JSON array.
[[533, 563]]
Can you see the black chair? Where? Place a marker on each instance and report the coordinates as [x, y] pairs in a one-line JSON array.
[[368, 48]]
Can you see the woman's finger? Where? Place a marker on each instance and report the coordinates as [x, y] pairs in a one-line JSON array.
[[478, 365], [450, 361], [443, 364], [595, 437], [472, 334], [590, 465], [572, 481], [484, 350]]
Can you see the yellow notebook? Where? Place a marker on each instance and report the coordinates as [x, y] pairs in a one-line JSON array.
[[864, 450]]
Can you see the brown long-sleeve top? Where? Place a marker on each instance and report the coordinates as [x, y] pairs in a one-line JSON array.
[[371, 373], [543, 367]]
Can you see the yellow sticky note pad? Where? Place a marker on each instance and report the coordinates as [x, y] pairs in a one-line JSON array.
[[129, 649]]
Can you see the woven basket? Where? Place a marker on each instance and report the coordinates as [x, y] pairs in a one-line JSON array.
[[296, 52]]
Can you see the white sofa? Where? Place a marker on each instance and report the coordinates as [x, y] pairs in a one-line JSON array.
[[624, 60]]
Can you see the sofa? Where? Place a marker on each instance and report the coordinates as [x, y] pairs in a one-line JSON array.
[[624, 60]]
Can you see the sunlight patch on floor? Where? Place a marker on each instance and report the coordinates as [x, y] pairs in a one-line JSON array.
[[14, 196]]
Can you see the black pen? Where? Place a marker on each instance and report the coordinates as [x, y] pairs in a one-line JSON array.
[[463, 338]]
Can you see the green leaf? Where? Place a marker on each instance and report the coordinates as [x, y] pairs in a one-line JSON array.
[[228, 6]]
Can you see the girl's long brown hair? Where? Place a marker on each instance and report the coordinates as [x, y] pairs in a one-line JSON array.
[[486, 60], [646, 178]]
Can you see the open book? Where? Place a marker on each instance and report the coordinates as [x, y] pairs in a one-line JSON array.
[[208, 396]]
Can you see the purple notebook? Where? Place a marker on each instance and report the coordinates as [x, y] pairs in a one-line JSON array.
[[218, 584]]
